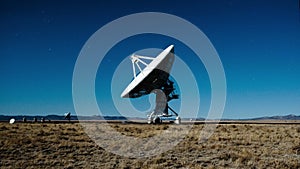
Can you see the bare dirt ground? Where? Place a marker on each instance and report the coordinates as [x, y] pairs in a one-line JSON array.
[[65, 145]]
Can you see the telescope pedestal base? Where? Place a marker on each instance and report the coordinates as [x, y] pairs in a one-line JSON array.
[[155, 118]]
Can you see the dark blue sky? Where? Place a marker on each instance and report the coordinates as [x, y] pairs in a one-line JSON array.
[[258, 44]]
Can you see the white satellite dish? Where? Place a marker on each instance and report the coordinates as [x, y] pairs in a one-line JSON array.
[[154, 79], [68, 116], [12, 121]]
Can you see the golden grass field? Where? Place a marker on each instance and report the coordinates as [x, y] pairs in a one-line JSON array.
[[66, 145]]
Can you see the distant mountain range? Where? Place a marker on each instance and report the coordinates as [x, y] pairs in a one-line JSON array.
[[287, 117], [59, 118]]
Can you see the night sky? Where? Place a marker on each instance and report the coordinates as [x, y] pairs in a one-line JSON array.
[[258, 43]]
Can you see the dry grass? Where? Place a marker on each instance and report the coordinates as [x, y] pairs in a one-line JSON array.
[[26, 145]]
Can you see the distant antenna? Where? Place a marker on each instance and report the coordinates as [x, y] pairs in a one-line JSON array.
[[68, 116], [34, 119], [12, 121]]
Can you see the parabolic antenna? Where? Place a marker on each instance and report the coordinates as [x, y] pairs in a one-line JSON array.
[[68, 116], [12, 121], [154, 78]]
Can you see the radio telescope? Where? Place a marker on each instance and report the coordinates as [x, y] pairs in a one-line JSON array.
[[154, 78], [12, 121], [68, 116]]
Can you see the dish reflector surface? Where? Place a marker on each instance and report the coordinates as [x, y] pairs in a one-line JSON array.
[[154, 76], [12, 121]]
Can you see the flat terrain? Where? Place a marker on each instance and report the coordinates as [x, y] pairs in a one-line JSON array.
[[66, 145]]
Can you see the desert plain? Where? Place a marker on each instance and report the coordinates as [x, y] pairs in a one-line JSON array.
[[67, 145]]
